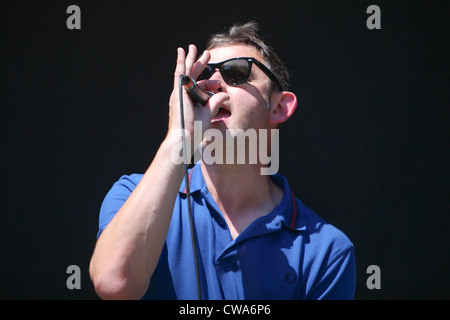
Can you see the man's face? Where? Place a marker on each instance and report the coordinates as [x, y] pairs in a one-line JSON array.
[[248, 104]]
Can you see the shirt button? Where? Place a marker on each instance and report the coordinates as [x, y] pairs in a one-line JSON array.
[[290, 277]]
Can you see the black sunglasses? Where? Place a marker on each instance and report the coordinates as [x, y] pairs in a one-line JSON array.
[[236, 71]]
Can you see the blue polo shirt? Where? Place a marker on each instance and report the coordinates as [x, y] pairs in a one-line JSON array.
[[290, 253]]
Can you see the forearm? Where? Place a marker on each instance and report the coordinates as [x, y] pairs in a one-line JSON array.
[[128, 250]]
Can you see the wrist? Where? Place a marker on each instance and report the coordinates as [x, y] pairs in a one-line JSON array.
[[172, 148]]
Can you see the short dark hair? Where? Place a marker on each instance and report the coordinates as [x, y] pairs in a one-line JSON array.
[[248, 34]]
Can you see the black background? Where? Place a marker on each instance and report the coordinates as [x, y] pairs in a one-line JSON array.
[[367, 148]]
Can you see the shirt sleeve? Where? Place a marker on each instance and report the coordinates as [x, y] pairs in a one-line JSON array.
[[115, 198], [338, 279]]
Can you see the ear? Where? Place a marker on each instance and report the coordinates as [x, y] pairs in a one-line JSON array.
[[287, 103]]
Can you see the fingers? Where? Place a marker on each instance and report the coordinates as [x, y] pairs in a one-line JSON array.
[[200, 64], [188, 65], [210, 85], [190, 59], [180, 67]]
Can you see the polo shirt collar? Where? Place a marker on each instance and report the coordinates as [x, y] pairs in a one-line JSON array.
[[195, 179], [288, 212]]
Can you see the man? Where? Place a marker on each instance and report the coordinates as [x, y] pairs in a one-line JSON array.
[[254, 239]]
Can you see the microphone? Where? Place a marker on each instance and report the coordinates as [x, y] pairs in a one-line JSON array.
[[195, 92]]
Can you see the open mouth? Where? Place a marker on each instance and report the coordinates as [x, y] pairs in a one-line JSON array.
[[222, 114]]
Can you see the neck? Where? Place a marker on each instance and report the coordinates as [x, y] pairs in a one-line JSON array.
[[241, 193]]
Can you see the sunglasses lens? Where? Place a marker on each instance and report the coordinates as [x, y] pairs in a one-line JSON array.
[[235, 71], [207, 73]]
